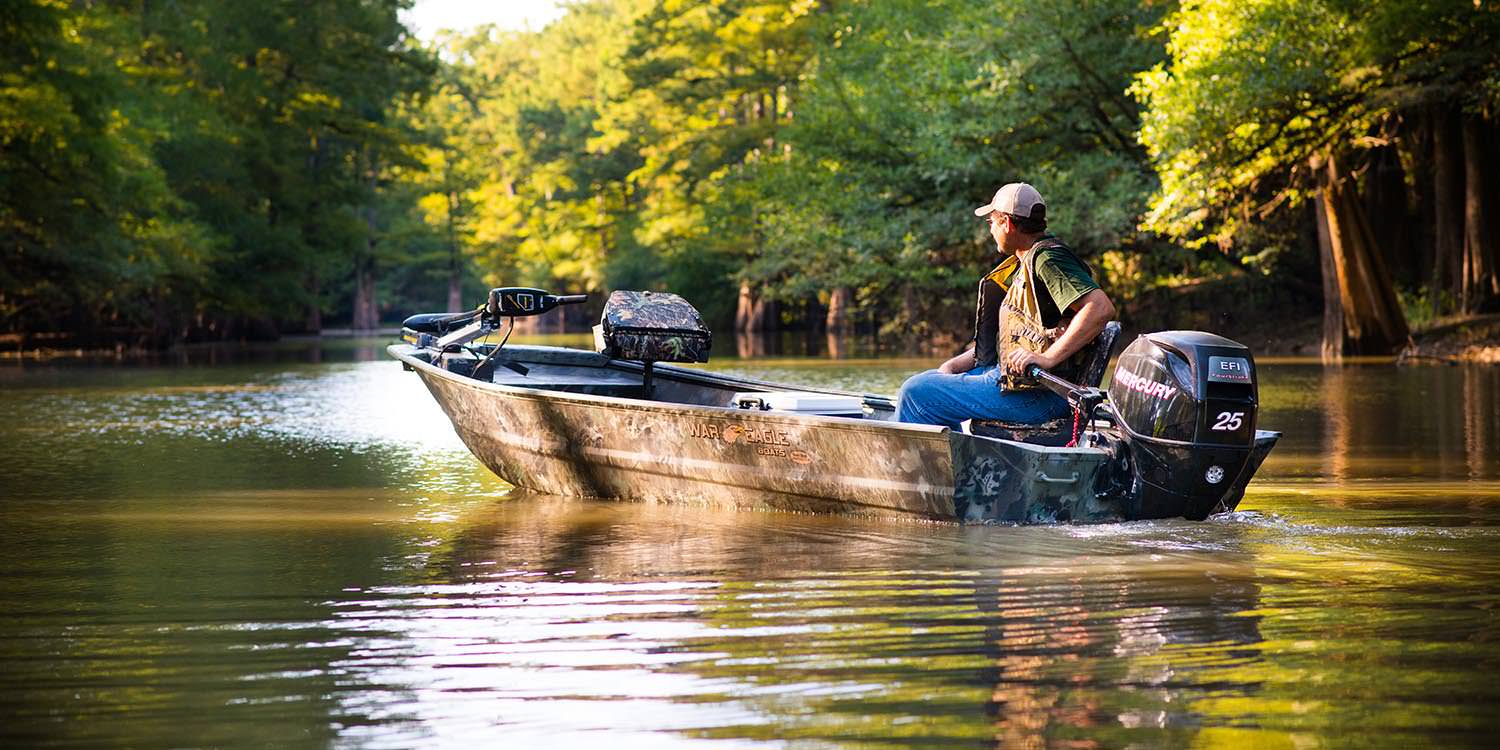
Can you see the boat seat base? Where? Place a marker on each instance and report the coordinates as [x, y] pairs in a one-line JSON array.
[[1057, 432], [1053, 432]]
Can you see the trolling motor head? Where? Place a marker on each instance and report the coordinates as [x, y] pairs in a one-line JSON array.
[[520, 302], [1186, 403], [447, 329]]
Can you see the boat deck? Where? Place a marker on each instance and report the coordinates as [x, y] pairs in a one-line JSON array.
[[583, 372]]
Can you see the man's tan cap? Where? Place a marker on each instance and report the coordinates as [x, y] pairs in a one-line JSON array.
[[1016, 199]]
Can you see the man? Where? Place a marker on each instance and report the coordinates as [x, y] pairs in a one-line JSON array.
[[1040, 306]]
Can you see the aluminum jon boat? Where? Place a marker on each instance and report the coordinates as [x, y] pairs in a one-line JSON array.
[[1174, 436]]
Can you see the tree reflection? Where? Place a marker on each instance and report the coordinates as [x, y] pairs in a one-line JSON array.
[[1481, 418], [1379, 422]]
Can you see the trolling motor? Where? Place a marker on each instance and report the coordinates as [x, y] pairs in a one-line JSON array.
[[449, 332], [503, 302]]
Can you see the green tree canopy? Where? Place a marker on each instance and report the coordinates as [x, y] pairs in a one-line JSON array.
[[1253, 90]]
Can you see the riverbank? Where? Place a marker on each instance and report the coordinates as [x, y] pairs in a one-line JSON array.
[[1449, 340], [1273, 322], [1452, 340], [1469, 339]]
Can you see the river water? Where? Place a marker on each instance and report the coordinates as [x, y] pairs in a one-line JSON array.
[[288, 546]]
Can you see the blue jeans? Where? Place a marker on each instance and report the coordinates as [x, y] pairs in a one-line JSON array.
[[934, 397]]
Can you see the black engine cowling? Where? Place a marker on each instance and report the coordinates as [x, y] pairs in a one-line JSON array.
[[1186, 402]]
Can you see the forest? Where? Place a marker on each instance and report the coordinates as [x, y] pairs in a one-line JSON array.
[[208, 170]]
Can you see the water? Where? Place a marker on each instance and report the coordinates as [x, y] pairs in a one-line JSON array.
[[288, 546]]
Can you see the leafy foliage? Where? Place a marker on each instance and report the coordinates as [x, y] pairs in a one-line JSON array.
[[1253, 90], [184, 170], [209, 168]]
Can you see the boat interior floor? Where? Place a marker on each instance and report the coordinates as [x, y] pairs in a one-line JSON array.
[[577, 371], [602, 381]]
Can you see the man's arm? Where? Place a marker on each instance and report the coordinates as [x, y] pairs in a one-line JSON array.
[[1090, 313], [964, 362]]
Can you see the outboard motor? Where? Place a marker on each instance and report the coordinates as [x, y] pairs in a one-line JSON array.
[[1186, 402]]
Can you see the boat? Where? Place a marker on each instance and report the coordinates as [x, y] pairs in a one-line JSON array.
[[1174, 435]]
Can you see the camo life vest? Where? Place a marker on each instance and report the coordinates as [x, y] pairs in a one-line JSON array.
[[1012, 287]]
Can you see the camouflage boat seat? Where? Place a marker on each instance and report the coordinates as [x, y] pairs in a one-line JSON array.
[[1057, 432], [652, 327]]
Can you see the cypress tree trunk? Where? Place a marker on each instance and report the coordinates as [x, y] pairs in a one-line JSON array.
[[813, 315], [765, 316], [365, 316], [1491, 131], [1390, 217], [910, 319], [1416, 150], [455, 281], [837, 320], [1333, 306], [1372, 319], [754, 313], [1480, 284], [1448, 221], [744, 308], [455, 290]]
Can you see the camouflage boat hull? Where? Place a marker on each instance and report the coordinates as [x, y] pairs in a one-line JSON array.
[[575, 425]]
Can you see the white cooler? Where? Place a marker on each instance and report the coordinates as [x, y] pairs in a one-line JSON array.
[[802, 402]]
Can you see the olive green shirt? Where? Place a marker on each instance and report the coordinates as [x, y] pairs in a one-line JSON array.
[[1067, 281], [1064, 277]]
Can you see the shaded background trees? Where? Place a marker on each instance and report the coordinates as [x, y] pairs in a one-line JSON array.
[[1356, 107], [198, 169], [217, 170]]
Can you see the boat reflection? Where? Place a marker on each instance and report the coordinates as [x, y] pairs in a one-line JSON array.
[[775, 625], [1105, 660]]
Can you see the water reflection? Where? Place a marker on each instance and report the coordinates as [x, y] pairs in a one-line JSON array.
[[1360, 423], [773, 627], [775, 624], [810, 343], [1481, 417], [273, 549]]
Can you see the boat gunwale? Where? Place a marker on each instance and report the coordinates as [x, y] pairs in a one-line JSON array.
[[619, 402], [849, 424]]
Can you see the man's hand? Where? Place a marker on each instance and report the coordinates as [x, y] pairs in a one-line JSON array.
[[1091, 312], [1017, 360]]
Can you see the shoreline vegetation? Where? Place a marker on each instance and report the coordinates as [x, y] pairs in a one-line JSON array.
[[1474, 339], [1310, 177]]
